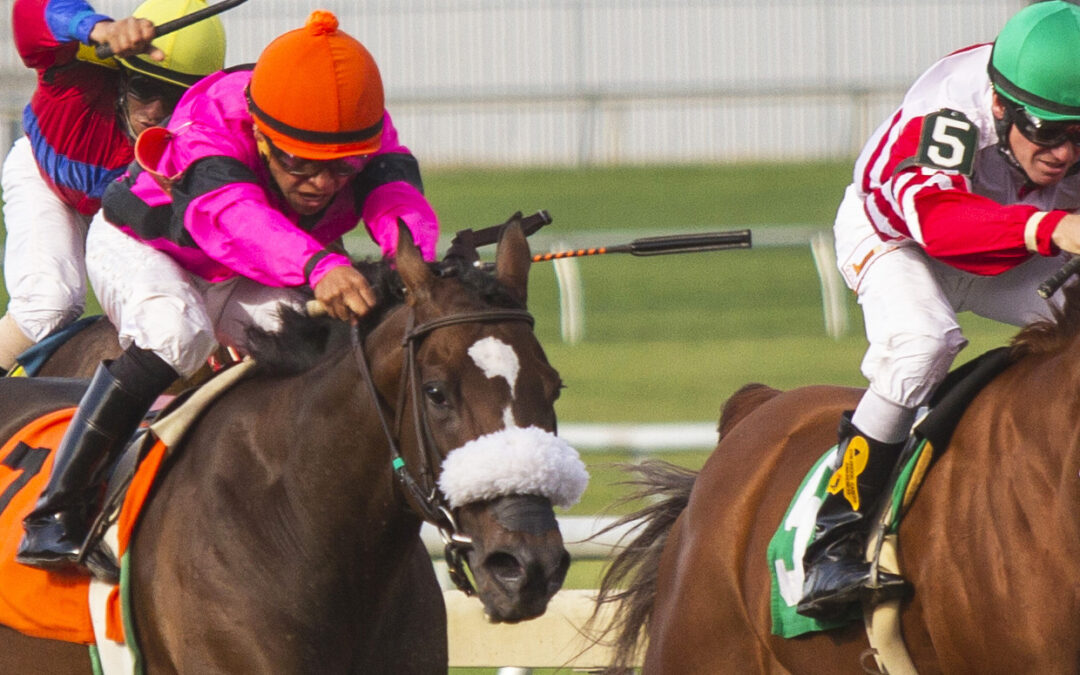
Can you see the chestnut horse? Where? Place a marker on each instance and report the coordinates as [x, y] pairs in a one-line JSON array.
[[283, 536], [990, 544]]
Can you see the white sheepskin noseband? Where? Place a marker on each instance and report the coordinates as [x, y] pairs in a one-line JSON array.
[[514, 461]]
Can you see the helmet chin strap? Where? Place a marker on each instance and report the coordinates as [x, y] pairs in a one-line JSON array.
[[122, 106], [1003, 127]]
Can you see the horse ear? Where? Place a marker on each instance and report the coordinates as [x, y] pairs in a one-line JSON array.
[[415, 273], [512, 260]]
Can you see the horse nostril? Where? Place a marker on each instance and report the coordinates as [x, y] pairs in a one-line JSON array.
[[505, 567]]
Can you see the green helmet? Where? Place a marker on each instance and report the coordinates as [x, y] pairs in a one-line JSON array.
[[191, 53], [1036, 60]]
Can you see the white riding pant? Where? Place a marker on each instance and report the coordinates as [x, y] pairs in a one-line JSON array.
[[910, 302], [158, 305], [44, 268]]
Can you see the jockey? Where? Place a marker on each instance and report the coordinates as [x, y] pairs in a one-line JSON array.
[[962, 200], [80, 125], [234, 208]]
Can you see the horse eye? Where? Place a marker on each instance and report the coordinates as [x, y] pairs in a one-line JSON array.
[[435, 393]]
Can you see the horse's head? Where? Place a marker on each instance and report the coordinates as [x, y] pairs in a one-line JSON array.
[[479, 392]]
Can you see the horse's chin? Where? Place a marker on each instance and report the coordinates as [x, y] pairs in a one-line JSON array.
[[505, 610], [518, 559]]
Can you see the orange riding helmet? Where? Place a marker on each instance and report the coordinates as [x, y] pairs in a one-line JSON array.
[[316, 92]]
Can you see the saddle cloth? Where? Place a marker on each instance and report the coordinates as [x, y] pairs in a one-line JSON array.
[[929, 437], [75, 608]]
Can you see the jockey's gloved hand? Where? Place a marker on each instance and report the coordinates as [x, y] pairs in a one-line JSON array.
[[127, 37], [345, 293], [1066, 235]]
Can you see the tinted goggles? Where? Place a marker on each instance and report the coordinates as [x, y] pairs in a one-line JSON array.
[[343, 167], [145, 89], [1043, 133]]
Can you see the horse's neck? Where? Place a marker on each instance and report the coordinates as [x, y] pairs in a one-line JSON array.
[[351, 480]]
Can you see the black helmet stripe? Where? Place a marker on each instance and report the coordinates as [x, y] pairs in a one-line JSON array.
[[160, 72]]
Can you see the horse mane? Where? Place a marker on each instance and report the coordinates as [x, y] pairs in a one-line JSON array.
[[666, 489], [303, 341], [1051, 335], [742, 403]]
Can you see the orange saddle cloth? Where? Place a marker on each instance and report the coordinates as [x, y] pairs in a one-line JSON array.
[[36, 602], [33, 601]]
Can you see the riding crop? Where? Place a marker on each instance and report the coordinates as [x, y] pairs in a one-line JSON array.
[[105, 51], [645, 246], [1048, 287], [663, 245]]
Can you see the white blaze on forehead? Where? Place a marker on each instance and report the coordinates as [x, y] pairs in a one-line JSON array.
[[496, 359]]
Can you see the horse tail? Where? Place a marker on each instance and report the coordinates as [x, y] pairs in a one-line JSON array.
[[630, 581], [742, 403]]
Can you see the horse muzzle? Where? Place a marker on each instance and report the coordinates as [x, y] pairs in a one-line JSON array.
[[518, 559]]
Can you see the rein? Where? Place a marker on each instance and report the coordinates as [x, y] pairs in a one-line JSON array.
[[428, 503]]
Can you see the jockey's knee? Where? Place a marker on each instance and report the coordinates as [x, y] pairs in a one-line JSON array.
[[908, 367], [46, 312]]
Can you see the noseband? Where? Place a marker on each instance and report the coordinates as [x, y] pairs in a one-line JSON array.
[[423, 494]]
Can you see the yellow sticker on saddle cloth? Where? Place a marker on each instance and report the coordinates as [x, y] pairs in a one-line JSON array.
[[846, 478]]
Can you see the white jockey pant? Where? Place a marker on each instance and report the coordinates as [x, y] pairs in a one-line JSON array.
[[910, 302], [157, 305], [44, 269]]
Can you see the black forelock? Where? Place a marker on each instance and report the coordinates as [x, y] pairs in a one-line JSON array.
[[480, 282]]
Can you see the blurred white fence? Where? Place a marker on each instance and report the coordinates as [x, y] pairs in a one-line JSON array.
[[574, 82]]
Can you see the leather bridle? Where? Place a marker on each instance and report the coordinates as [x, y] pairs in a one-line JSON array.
[[423, 495]]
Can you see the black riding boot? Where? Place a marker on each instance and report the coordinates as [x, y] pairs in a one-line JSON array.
[[108, 415], [837, 574]]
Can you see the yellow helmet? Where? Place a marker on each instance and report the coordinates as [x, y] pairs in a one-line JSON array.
[[191, 53]]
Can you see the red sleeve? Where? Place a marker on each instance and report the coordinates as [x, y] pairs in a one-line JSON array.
[[979, 235], [33, 23]]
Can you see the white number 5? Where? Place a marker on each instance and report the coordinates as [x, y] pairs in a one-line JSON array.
[[948, 142], [945, 135]]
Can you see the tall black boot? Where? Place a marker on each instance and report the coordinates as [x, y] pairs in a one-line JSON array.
[[108, 415], [837, 575]]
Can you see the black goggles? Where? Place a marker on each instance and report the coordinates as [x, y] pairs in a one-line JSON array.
[[1043, 133], [343, 167], [146, 89]]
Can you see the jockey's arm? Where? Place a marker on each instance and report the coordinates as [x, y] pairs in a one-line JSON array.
[[390, 188]]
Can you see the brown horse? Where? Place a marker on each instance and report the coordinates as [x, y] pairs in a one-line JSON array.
[[284, 534], [990, 544], [80, 355]]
